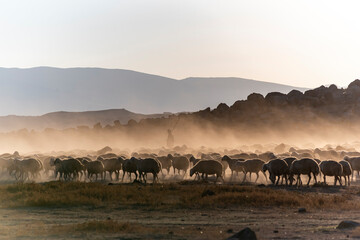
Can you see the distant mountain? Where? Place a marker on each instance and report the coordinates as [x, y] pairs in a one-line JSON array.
[[62, 120], [41, 90]]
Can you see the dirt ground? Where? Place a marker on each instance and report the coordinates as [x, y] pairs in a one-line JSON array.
[[275, 223], [209, 223], [213, 223]]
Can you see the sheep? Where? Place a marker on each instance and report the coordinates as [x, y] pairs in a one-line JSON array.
[[4, 164], [68, 168], [232, 164], [107, 155], [208, 167], [241, 156], [332, 168], [267, 156], [22, 168], [147, 165], [194, 160], [289, 161], [355, 165], [30, 166], [48, 163], [277, 168], [165, 162], [251, 166], [180, 163], [112, 165], [13, 168], [216, 157], [346, 171], [94, 167], [130, 167], [303, 166]]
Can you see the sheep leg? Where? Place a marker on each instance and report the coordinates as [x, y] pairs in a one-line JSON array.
[[348, 180], [324, 179], [315, 177], [257, 177], [221, 177], [122, 179], [154, 177], [277, 182], [309, 179], [244, 177], [266, 177], [298, 181], [339, 178], [250, 177]]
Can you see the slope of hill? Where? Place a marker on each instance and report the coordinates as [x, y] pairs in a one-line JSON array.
[[40, 90], [62, 120]]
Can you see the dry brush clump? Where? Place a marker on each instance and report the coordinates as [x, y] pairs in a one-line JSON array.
[[158, 196]]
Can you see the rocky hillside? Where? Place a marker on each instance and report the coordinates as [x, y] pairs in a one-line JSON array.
[[331, 103], [320, 116]]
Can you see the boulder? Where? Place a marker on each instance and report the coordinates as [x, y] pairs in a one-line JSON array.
[[347, 224], [222, 107], [316, 92], [295, 97], [245, 234], [240, 105], [256, 98], [276, 99], [302, 210], [333, 88], [355, 83]]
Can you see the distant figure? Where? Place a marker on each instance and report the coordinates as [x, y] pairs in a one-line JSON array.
[[170, 139]]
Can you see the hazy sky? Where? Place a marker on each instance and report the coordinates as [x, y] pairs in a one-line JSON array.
[[302, 43]]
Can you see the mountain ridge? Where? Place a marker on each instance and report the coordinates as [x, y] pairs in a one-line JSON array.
[[62, 119], [36, 91]]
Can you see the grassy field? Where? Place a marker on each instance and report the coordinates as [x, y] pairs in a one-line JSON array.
[[183, 210], [173, 195]]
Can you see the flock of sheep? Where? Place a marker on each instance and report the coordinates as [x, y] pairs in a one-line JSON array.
[[283, 168]]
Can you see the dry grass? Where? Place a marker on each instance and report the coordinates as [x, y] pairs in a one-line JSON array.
[[75, 194]]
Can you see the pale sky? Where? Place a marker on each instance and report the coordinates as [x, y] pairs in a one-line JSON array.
[[300, 43]]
